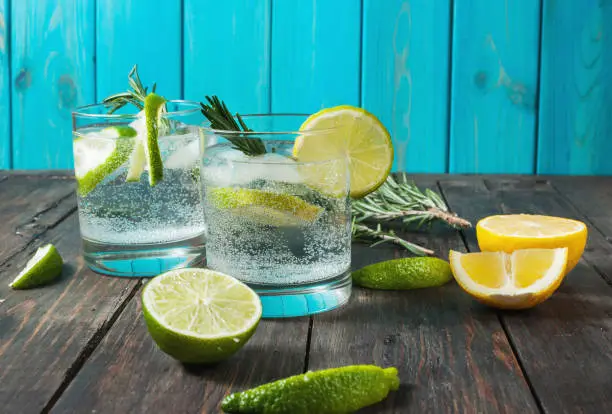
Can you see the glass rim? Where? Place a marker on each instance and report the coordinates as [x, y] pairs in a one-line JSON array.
[[81, 111], [212, 131]]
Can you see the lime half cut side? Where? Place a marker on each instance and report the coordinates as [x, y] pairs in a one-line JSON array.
[[99, 154], [44, 267], [199, 315], [154, 105], [265, 207], [350, 132]]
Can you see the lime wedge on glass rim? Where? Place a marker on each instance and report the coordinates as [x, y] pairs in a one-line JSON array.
[[154, 105], [199, 315], [99, 154], [265, 207], [356, 134], [44, 267]]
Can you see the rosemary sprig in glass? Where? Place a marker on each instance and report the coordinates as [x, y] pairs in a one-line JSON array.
[[221, 118], [135, 94]]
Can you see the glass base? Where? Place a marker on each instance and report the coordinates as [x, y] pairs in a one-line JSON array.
[[142, 260], [302, 300]]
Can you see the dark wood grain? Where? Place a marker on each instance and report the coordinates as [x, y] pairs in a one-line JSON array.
[[452, 355], [46, 333], [593, 197], [129, 374], [564, 344], [30, 206]]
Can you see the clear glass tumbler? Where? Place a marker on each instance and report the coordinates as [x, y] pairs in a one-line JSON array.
[[129, 227], [281, 226]]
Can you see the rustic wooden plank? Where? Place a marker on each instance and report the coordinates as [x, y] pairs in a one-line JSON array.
[[47, 333], [564, 344], [452, 355], [128, 359], [592, 196], [494, 86], [405, 63], [227, 52], [52, 47], [143, 32], [576, 88], [29, 207], [5, 86], [316, 47]]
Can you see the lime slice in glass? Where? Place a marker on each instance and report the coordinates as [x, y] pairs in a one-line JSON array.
[[44, 267], [265, 207], [358, 135], [154, 105], [98, 154], [198, 315]]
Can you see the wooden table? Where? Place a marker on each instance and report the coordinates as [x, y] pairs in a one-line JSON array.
[[80, 345]]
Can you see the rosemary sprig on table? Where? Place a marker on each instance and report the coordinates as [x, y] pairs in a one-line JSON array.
[[403, 200], [135, 95], [363, 233], [221, 118], [400, 200]]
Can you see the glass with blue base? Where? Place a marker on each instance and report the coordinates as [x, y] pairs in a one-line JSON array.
[[129, 227], [279, 225]]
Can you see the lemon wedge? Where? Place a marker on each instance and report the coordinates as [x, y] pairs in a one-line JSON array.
[[517, 280]]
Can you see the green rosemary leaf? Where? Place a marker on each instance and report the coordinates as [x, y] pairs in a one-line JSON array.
[[221, 118]]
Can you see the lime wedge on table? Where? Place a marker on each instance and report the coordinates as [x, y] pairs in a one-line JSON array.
[[98, 154], [198, 315], [406, 273], [265, 207], [334, 390], [44, 267], [154, 105], [345, 130]]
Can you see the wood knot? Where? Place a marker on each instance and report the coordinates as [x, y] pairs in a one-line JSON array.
[[480, 79], [23, 80], [67, 91]]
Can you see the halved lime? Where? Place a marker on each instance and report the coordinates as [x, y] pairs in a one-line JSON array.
[[356, 134], [265, 207], [44, 267], [154, 105], [199, 315], [334, 390], [98, 154]]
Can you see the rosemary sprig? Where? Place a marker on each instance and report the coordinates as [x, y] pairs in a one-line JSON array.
[[135, 94], [400, 200], [221, 118], [403, 200], [361, 232]]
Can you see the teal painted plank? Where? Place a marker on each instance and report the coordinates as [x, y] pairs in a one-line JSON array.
[[143, 32], [316, 48], [5, 91], [52, 46], [227, 52], [575, 129], [405, 77], [494, 86]]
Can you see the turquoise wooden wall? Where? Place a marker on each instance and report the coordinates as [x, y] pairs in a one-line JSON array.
[[464, 86]]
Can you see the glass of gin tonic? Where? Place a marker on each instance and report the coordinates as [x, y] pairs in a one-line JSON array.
[[280, 225], [138, 188]]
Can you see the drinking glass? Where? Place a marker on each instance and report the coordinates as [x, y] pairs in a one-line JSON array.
[[128, 226], [281, 226]]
